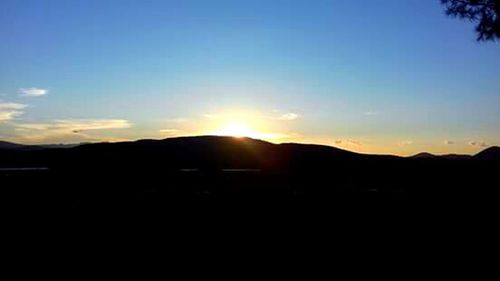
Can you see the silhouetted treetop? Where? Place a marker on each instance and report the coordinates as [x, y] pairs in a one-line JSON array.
[[484, 12]]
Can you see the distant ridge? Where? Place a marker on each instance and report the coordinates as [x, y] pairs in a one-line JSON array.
[[423, 155], [427, 155], [212, 167], [456, 156], [491, 153], [16, 146], [61, 145], [205, 152], [11, 145], [229, 147]]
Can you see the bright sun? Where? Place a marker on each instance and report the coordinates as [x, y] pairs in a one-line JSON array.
[[236, 129]]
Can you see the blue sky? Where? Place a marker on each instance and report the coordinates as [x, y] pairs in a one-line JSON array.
[[391, 76]]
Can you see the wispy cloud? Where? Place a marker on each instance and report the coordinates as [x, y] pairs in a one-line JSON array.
[[169, 132], [86, 124], [449, 142], [68, 129], [290, 116], [478, 143], [348, 142], [10, 110], [33, 92], [178, 120], [405, 143], [354, 142], [370, 113], [212, 116]]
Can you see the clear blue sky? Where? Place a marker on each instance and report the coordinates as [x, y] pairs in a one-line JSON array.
[[388, 76]]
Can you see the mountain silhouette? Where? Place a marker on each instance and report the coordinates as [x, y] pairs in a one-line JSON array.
[[490, 153], [160, 173], [10, 145], [426, 155], [207, 152]]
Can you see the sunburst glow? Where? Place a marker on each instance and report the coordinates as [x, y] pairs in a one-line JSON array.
[[238, 129]]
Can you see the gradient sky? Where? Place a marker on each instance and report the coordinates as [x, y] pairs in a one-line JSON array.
[[378, 76]]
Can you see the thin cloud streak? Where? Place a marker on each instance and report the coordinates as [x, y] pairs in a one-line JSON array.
[[67, 130], [290, 116], [405, 143], [33, 92], [370, 113], [169, 132], [10, 110], [348, 142], [478, 143]]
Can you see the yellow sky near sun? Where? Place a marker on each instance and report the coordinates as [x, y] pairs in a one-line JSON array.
[[273, 126]]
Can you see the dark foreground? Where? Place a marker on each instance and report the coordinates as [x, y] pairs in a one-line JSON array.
[[200, 175]]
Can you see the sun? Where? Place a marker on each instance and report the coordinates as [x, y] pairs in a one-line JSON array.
[[238, 130]]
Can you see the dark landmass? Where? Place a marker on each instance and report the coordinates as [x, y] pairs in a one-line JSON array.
[[491, 153], [4, 145], [426, 155], [158, 174]]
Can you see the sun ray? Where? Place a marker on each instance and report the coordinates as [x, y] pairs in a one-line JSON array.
[[238, 129]]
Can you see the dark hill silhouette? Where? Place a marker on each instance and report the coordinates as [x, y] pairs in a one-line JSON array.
[[201, 152], [10, 145], [4, 145], [208, 152], [159, 173], [491, 153], [426, 155], [456, 156]]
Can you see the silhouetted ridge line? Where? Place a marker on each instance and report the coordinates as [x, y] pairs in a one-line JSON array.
[[426, 155], [10, 145], [423, 155], [207, 152], [491, 153]]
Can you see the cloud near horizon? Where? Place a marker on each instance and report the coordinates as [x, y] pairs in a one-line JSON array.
[[178, 120], [169, 132], [33, 92], [212, 116], [348, 142], [405, 142], [67, 130], [10, 110], [478, 143], [290, 116], [370, 113]]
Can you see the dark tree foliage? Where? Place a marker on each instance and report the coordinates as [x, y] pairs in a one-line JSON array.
[[485, 12]]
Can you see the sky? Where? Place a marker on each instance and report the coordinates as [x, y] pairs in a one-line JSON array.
[[373, 76]]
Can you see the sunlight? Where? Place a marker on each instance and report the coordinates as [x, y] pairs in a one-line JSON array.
[[243, 123], [238, 130]]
